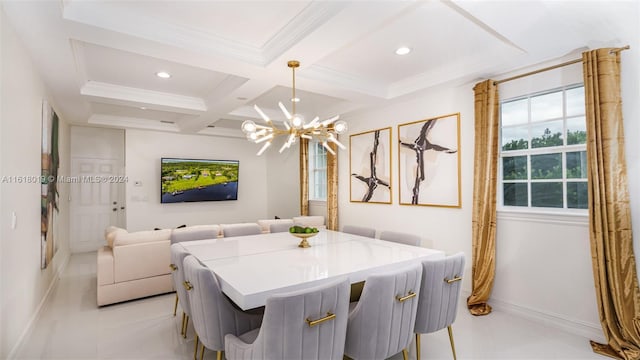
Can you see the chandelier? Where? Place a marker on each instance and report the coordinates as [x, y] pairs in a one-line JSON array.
[[295, 127]]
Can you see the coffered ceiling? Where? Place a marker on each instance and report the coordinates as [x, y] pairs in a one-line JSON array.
[[100, 58]]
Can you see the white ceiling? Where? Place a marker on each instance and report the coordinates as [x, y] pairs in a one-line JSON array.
[[99, 58]]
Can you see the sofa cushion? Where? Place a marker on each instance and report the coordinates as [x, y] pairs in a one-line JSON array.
[[111, 232], [266, 224], [141, 237], [197, 232]]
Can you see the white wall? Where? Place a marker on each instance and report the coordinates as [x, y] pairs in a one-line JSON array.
[[283, 181], [144, 149], [543, 266], [23, 285], [447, 229]]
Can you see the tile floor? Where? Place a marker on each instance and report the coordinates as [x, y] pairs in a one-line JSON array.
[[71, 326]]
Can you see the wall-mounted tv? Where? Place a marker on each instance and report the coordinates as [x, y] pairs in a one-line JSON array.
[[190, 180]]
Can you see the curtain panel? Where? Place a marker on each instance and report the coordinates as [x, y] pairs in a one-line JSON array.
[[614, 265], [304, 177], [332, 189], [483, 223]]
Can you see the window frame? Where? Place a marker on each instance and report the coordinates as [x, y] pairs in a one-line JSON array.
[[314, 147], [509, 211]]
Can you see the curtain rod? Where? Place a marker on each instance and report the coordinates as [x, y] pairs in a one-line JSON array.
[[552, 67]]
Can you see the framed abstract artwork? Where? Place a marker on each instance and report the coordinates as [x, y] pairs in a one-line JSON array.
[[370, 166], [50, 161], [429, 162]]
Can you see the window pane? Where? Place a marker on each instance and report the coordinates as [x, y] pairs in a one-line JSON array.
[[514, 168], [546, 194], [514, 112], [515, 138], [547, 106], [515, 194], [546, 166], [577, 165], [547, 134], [577, 195], [575, 101], [576, 131]]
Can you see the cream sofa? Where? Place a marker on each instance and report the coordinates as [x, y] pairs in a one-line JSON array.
[[133, 265]]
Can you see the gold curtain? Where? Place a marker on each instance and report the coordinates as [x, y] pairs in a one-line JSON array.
[[483, 221], [304, 177], [614, 266], [332, 189]]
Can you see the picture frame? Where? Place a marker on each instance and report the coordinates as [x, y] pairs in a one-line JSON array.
[[50, 163], [429, 162], [370, 166]]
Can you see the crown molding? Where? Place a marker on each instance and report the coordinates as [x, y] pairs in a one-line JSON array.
[[346, 81], [131, 122], [123, 95], [224, 132], [104, 16], [308, 20]]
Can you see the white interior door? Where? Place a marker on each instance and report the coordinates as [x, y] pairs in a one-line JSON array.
[[96, 201]]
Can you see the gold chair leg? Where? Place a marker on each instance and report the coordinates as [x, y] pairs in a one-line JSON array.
[[202, 353], [195, 351], [405, 354], [453, 347], [219, 355], [184, 317], [175, 307], [186, 324], [417, 346]]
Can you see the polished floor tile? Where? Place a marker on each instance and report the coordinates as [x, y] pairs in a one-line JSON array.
[[71, 326]]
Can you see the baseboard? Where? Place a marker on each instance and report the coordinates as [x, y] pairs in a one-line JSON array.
[[36, 314], [574, 326]]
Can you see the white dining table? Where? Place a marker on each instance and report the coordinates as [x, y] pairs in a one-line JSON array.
[[252, 268]]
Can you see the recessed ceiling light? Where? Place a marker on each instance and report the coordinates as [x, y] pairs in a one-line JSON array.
[[163, 74], [403, 50], [143, 108], [241, 98], [295, 99]]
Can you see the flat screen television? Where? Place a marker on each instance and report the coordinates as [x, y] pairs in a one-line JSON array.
[[191, 180]]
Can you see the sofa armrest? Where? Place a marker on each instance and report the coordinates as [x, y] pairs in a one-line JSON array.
[[105, 266], [143, 260]]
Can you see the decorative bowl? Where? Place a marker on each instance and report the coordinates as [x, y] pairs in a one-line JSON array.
[[304, 236]]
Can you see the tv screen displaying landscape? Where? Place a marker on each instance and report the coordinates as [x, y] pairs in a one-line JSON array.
[[190, 180]]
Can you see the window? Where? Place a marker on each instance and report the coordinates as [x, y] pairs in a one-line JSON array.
[[543, 150], [317, 171]]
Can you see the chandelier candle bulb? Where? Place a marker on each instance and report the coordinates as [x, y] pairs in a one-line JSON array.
[[326, 146], [264, 138], [262, 114], [263, 148], [335, 141], [305, 136], [284, 110], [312, 123]]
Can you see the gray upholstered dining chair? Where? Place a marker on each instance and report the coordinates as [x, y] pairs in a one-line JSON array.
[[196, 232], [438, 304], [229, 230], [381, 323], [178, 253], [359, 230], [213, 314], [280, 227], [305, 324], [400, 237]]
